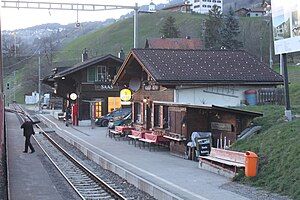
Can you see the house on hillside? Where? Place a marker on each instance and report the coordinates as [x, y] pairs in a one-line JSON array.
[[91, 81], [174, 43], [251, 12], [152, 7], [204, 6], [184, 7]]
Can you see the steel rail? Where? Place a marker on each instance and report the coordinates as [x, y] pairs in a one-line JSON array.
[[103, 185]]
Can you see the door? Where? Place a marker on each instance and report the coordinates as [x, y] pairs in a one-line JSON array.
[[113, 103]]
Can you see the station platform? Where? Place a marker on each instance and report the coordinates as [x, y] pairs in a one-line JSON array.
[[31, 176], [176, 177]]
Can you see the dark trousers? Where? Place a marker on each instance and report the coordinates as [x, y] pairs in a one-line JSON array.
[[28, 143]]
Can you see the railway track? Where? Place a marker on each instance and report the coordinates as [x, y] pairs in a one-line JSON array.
[[83, 181]]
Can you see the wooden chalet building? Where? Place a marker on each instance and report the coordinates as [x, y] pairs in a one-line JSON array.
[[184, 7], [169, 86], [91, 80]]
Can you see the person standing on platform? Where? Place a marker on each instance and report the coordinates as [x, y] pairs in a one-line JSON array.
[[68, 116], [27, 132]]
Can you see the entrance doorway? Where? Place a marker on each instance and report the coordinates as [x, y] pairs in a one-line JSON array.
[[113, 103]]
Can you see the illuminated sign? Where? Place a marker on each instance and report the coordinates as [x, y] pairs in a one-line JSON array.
[[125, 94], [73, 96]]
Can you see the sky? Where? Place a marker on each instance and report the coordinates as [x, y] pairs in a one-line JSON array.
[[13, 18]]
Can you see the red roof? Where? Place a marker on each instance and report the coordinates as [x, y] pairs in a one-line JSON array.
[[174, 43]]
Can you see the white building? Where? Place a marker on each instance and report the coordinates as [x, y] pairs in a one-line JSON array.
[[152, 7], [204, 6], [33, 98]]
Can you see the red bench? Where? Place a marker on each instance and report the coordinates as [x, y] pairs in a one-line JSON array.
[[120, 131], [135, 136], [223, 162], [152, 139]]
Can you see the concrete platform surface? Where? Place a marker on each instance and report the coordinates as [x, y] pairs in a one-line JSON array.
[[175, 175], [27, 177]]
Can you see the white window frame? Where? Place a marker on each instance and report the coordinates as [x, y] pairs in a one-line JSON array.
[[102, 70]]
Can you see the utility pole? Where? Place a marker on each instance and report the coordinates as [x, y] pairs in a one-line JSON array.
[[39, 83], [14, 85], [15, 44], [135, 29], [269, 22], [283, 66]]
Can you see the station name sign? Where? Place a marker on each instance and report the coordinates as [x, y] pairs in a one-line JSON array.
[[151, 87], [221, 126]]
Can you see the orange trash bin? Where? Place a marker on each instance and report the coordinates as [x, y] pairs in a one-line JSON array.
[[251, 161]]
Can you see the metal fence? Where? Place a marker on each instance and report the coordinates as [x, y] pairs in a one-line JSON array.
[[270, 96]]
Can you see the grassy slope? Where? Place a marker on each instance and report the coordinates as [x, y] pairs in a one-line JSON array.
[[277, 145], [120, 35]]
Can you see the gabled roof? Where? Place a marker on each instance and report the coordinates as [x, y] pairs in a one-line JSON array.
[[174, 43], [192, 67], [87, 63], [176, 5]]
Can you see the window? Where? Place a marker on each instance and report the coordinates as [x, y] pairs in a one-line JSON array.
[[204, 6], [208, 0], [218, 1], [98, 109], [165, 117], [209, 6], [101, 73], [157, 116], [91, 74], [137, 112], [197, 6]]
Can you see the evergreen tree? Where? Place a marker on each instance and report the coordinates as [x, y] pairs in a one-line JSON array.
[[213, 29], [169, 29], [230, 31]]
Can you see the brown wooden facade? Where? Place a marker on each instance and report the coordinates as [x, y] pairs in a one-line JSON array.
[[178, 122], [94, 93]]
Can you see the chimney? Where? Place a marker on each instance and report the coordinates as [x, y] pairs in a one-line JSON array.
[[84, 55], [121, 54]]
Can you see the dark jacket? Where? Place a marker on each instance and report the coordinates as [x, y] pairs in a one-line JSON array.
[[28, 128]]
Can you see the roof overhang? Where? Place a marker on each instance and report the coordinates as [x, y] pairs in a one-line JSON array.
[[209, 107]]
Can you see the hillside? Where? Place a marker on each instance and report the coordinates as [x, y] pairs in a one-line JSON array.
[[120, 35], [277, 145]]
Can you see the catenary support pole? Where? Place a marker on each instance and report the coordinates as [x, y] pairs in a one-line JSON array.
[[288, 112], [135, 26], [39, 83]]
